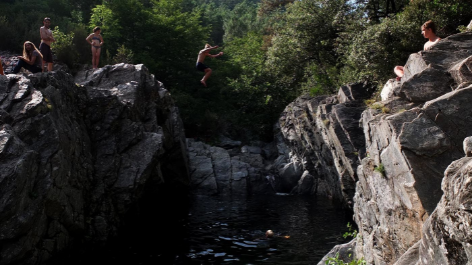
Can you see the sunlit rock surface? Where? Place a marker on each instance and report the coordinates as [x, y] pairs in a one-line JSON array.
[[411, 137]]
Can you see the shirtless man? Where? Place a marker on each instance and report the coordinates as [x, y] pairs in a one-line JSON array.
[[428, 30], [46, 40], [201, 57]]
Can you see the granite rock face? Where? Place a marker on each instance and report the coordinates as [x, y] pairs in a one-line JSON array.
[[77, 155], [430, 74], [408, 151], [411, 137], [324, 133], [238, 170], [400, 181], [446, 234]]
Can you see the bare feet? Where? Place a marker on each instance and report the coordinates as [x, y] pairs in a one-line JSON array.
[[203, 82]]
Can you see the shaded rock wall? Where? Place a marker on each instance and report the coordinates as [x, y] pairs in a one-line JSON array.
[[236, 170], [76, 156], [324, 134]]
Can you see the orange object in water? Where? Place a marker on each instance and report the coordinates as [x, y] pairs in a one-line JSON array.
[[286, 236]]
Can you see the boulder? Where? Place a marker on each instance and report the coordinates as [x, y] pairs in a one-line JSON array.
[[390, 89], [344, 252], [462, 72], [432, 73]]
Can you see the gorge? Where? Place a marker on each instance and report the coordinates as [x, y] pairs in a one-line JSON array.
[[81, 155]]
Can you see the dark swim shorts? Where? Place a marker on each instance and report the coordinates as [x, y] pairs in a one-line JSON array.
[[201, 67], [46, 52]]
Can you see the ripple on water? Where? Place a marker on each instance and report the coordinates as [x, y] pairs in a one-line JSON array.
[[235, 230]]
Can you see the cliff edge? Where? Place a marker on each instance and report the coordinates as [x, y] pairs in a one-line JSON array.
[[77, 155]]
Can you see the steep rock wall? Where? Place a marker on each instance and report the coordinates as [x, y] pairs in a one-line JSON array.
[[324, 134], [410, 139], [409, 149], [76, 156]]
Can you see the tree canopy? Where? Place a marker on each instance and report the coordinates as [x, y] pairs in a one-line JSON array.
[[274, 50]]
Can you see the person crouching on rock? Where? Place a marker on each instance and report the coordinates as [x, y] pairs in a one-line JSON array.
[[428, 30], [201, 57], [32, 59]]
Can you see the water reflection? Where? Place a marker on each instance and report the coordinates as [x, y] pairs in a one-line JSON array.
[[232, 231], [212, 230]]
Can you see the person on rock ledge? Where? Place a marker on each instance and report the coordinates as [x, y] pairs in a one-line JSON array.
[[96, 40], [32, 59], [201, 57], [428, 30], [45, 47]]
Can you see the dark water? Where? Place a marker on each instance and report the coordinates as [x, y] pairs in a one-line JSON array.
[[212, 230], [223, 231]]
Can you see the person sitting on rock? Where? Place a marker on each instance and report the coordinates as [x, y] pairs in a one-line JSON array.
[[32, 59], [428, 30], [201, 57]]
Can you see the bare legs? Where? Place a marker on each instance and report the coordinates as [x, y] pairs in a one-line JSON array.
[[95, 57], [399, 71], [207, 75], [50, 66]]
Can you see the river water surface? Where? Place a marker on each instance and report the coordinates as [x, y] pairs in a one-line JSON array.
[[226, 231], [213, 230]]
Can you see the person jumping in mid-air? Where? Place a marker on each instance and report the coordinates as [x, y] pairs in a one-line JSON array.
[[201, 57]]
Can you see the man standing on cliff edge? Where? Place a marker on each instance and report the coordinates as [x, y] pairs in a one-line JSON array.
[[45, 46]]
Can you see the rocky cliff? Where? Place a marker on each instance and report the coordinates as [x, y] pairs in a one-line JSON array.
[[232, 169], [409, 149], [77, 155], [395, 152], [324, 134]]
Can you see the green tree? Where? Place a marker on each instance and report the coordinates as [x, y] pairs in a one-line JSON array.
[[303, 46]]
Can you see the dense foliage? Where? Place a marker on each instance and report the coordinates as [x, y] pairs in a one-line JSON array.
[[274, 50]]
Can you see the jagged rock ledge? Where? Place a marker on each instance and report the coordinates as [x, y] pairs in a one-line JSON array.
[[77, 155], [398, 161]]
